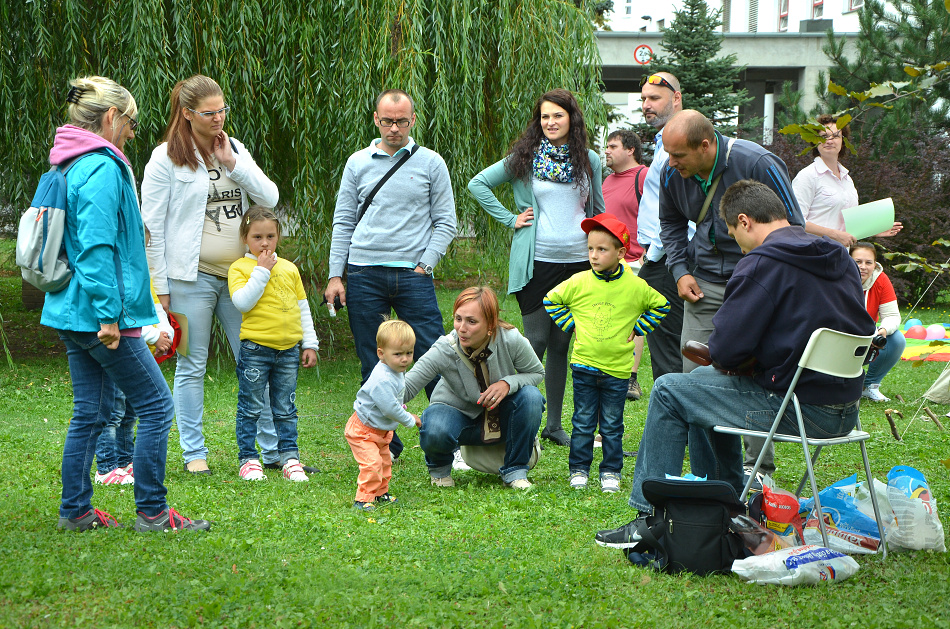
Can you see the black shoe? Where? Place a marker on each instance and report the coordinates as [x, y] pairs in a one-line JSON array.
[[558, 437], [278, 466], [630, 453], [386, 498], [634, 392], [624, 537]]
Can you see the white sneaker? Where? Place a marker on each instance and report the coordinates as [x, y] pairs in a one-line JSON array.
[[609, 482], [442, 481], [598, 441], [521, 483], [458, 463], [252, 470], [115, 477], [293, 471], [578, 480], [873, 393]]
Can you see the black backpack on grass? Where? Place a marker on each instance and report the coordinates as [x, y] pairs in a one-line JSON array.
[[690, 528]]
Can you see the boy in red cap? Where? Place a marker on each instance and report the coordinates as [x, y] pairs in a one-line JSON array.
[[606, 307]]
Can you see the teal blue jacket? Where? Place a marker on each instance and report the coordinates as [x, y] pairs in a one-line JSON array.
[[105, 244], [521, 259]]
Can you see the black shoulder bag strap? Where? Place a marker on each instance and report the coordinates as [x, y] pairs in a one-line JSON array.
[[384, 179], [636, 186]]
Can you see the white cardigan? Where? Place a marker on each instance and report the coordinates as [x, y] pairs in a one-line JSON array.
[[173, 208]]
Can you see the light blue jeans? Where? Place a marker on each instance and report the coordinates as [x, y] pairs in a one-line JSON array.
[[886, 359], [201, 301], [705, 398]]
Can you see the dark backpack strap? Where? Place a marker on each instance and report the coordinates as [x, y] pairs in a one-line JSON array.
[[636, 187], [385, 178], [233, 146], [651, 548]]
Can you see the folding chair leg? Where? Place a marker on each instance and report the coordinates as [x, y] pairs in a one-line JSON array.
[[811, 473], [801, 485], [877, 513]]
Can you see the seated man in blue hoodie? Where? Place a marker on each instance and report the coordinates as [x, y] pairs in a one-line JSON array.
[[788, 284]]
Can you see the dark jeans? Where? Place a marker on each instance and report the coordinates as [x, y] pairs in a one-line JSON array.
[[93, 369], [372, 292], [445, 428], [598, 400], [258, 366], [117, 442]]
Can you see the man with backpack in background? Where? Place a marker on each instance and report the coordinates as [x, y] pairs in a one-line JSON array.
[[623, 189]]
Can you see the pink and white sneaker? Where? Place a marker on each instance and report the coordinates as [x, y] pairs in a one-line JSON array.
[[252, 470], [117, 476], [293, 471]]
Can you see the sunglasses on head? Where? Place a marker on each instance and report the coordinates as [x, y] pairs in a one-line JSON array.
[[656, 79]]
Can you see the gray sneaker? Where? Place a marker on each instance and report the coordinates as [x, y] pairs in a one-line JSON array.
[[92, 519], [634, 392], [624, 537], [169, 520]]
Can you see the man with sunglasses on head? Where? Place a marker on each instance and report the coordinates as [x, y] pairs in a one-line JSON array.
[[661, 97], [389, 246]]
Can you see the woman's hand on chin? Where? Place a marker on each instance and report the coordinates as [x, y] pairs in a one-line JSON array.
[[494, 394]]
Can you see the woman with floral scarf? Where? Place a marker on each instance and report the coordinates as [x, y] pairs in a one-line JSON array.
[[556, 180]]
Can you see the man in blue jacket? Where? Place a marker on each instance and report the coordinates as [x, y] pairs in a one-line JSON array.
[[708, 164], [788, 284]]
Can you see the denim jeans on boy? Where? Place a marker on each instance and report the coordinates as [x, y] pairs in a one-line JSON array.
[[201, 301], [705, 398], [598, 399], [372, 292], [445, 428], [115, 446], [93, 369], [886, 359], [257, 367]]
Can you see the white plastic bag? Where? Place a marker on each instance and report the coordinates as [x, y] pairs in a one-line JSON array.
[[807, 565], [918, 523]]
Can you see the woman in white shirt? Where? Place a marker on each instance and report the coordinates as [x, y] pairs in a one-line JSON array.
[[197, 186], [824, 187]]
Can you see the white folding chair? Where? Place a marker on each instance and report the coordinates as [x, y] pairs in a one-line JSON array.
[[835, 354]]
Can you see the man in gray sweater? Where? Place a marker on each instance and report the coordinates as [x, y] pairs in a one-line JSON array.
[[389, 248]]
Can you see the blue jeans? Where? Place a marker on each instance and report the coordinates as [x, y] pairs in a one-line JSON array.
[[373, 292], [117, 441], [705, 398], [598, 399], [445, 428], [257, 367], [93, 369], [201, 301], [886, 359]]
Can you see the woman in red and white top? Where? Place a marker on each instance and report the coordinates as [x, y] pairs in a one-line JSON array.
[[881, 303]]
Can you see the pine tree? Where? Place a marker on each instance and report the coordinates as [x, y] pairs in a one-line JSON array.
[[905, 33], [708, 83]]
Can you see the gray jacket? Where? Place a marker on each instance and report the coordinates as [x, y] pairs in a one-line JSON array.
[[512, 360]]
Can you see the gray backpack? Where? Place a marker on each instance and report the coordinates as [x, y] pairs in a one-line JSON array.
[[40, 252]]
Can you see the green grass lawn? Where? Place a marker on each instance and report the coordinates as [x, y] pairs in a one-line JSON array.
[[285, 554]]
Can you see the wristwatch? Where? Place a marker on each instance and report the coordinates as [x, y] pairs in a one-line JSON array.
[[425, 267]]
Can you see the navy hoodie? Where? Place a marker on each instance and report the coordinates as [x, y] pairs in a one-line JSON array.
[[780, 292]]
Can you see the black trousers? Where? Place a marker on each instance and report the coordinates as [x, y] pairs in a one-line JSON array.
[[664, 341]]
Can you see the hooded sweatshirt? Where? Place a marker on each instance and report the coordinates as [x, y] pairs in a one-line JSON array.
[[780, 292]]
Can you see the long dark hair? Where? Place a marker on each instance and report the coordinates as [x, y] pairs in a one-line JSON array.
[[522, 150]]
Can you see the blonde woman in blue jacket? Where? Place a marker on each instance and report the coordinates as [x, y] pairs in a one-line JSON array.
[[556, 181], [100, 313]]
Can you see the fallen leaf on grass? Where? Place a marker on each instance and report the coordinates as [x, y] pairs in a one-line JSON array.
[[645, 579]]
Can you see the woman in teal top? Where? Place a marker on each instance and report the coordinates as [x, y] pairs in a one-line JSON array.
[[556, 181]]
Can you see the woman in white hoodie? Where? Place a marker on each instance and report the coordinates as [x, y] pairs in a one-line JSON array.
[[881, 302], [197, 186]]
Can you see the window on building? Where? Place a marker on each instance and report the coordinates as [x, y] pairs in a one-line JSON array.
[[817, 9], [628, 7], [854, 5], [783, 16], [660, 24]]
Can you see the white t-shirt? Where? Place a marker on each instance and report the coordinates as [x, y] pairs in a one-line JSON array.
[[220, 237], [558, 235], [822, 196]]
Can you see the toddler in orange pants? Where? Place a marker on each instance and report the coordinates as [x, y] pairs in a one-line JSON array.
[[377, 411]]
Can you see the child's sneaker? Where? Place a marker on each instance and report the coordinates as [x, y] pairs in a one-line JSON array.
[[609, 482], [252, 470], [115, 477], [363, 506], [458, 463], [386, 499], [598, 441], [129, 474], [578, 480], [92, 519], [294, 471], [169, 520], [873, 393]]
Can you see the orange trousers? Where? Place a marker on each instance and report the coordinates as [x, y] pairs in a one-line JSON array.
[[371, 450]]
